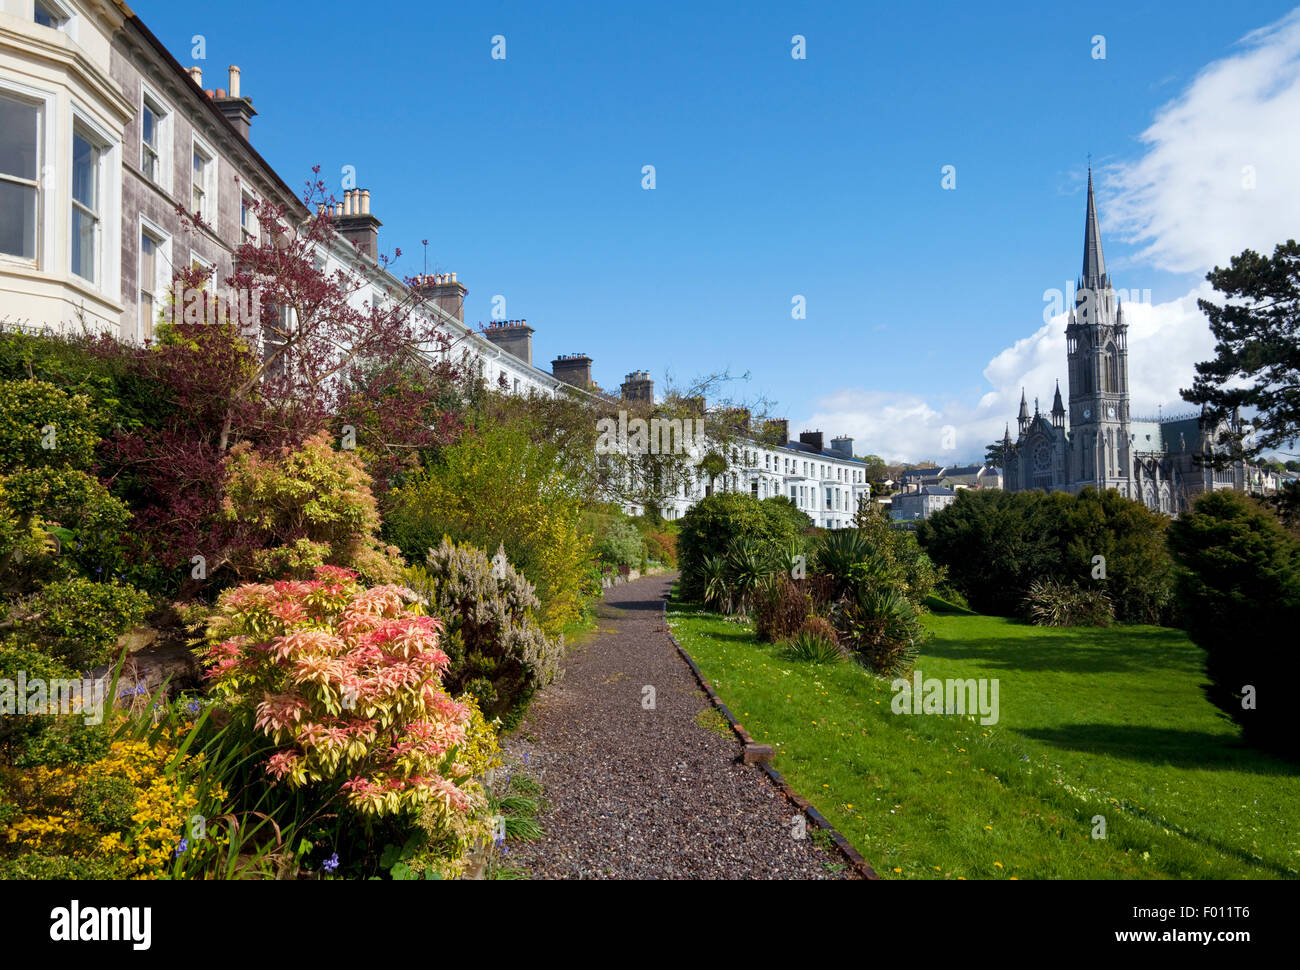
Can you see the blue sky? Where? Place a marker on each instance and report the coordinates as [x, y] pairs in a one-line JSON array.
[[775, 177]]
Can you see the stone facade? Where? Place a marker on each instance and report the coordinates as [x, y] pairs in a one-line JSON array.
[[1098, 442]]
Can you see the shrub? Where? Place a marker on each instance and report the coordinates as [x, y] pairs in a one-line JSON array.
[[346, 683], [947, 596], [813, 648], [1053, 603], [302, 508], [661, 547], [79, 622], [1238, 594], [498, 487], [905, 562], [1131, 539], [498, 652], [57, 521], [618, 542], [994, 544], [711, 525], [123, 815], [882, 627], [782, 608], [42, 426]]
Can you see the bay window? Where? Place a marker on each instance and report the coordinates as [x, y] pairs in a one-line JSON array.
[[87, 202], [20, 141]]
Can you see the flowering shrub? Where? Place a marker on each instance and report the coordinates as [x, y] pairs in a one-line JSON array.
[[347, 682], [123, 815], [302, 508]]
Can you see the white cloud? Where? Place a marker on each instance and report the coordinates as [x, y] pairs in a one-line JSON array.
[[1187, 200], [1183, 201]]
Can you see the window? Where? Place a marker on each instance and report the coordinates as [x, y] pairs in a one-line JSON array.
[[86, 204], [20, 140], [203, 189], [50, 15], [152, 259], [248, 220], [828, 499], [153, 140]]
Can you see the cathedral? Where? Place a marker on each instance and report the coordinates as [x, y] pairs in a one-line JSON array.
[[1097, 441]]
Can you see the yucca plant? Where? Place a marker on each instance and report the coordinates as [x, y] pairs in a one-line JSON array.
[[717, 584], [883, 628], [749, 563], [1053, 603], [849, 559], [813, 648]]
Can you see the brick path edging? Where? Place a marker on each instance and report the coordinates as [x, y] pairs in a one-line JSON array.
[[749, 747]]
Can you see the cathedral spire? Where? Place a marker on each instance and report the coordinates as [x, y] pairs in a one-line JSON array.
[[1094, 263], [1023, 419], [1058, 408]]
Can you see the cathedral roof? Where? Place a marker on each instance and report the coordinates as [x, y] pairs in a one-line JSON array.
[[1058, 407], [1094, 262]]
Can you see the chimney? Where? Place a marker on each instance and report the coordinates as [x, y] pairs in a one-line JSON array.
[[358, 227], [444, 291], [738, 417], [238, 111], [196, 73], [813, 439], [639, 387], [779, 428], [573, 369], [514, 337], [842, 446]]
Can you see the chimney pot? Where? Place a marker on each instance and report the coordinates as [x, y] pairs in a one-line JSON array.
[[453, 277], [365, 202], [196, 72], [221, 93], [234, 81], [209, 93], [347, 202]]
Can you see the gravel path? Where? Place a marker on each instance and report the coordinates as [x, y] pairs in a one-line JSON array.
[[648, 794]]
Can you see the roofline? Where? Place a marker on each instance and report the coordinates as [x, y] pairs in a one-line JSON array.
[[244, 144]]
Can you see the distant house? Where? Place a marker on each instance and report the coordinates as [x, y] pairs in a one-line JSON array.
[[921, 504], [950, 477]]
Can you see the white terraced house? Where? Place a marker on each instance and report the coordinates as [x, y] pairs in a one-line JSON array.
[[102, 134]]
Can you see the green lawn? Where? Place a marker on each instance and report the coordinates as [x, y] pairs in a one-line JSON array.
[[1092, 722]]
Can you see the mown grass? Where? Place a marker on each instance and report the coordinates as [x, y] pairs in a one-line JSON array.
[[1108, 722]]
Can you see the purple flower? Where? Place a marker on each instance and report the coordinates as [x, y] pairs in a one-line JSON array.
[[182, 846], [330, 864], [193, 707]]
